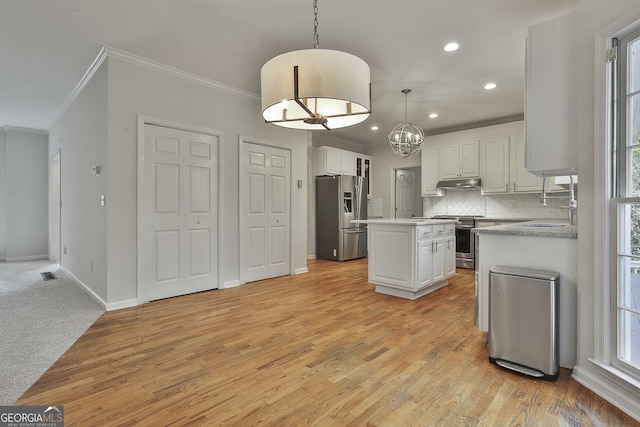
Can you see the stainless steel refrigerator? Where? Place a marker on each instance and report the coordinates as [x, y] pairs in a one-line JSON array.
[[340, 199]]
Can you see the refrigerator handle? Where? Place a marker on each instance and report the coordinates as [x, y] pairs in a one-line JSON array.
[[357, 200]]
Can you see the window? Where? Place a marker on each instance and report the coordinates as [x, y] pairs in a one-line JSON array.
[[625, 296]]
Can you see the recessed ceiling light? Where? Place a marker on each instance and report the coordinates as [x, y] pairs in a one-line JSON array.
[[374, 128], [490, 86], [433, 115], [450, 47]]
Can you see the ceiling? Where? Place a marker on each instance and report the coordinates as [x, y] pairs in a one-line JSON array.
[[46, 46]]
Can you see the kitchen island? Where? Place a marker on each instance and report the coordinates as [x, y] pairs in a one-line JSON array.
[[409, 258], [544, 245]]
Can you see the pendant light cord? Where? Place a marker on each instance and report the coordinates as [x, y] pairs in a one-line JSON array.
[[316, 40]]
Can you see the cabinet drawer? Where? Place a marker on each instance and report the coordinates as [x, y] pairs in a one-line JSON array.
[[450, 230], [424, 232], [438, 231]]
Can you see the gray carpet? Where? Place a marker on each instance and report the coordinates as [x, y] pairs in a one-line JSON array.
[[39, 321]]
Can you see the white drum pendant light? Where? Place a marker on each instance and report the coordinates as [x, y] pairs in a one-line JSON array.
[[315, 88], [406, 139]]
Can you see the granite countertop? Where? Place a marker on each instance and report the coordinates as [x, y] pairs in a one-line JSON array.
[[503, 219], [403, 221], [537, 228]]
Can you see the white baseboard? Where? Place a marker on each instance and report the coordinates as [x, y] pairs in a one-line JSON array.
[[26, 258], [121, 304], [105, 306], [311, 257], [301, 270], [231, 284], [617, 396]]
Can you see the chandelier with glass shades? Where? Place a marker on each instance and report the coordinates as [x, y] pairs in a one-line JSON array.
[[315, 88], [406, 139]]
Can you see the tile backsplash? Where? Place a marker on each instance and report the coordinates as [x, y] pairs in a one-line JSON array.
[[471, 202]]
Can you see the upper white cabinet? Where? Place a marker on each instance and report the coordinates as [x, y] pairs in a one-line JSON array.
[[502, 166], [363, 169], [459, 160], [550, 98], [494, 165], [430, 171], [334, 161]]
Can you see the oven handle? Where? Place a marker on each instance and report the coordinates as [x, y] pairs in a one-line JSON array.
[[464, 227]]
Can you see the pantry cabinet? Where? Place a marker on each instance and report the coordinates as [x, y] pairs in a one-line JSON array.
[[459, 160]]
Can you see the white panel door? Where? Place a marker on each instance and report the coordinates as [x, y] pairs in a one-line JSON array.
[[405, 187], [265, 178], [180, 212]]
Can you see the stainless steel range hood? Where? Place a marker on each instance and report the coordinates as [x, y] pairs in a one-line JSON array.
[[459, 184]]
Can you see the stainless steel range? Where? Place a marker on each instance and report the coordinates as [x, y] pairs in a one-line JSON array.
[[465, 240]]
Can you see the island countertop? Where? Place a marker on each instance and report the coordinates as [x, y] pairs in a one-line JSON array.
[[536, 228], [404, 221]]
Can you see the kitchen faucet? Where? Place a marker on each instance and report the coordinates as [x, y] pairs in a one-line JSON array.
[[573, 203]]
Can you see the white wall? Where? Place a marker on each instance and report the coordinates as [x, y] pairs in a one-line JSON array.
[[3, 195], [81, 135], [135, 89], [26, 194]]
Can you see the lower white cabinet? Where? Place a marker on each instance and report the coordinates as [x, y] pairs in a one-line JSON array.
[[409, 260], [449, 251]]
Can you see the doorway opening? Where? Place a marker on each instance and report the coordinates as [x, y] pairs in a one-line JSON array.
[[408, 197]]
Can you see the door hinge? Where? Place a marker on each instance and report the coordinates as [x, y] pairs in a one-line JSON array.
[[612, 54]]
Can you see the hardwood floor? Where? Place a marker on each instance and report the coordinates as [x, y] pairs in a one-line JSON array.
[[315, 349]]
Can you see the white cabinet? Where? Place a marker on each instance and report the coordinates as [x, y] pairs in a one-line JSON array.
[[449, 251], [430, 171], [334, 161], [502, 166], [522, 180], [459, 160], [550, 98], [438, 255], [425, 252], [363, 169], [407, 260], [494, 165]]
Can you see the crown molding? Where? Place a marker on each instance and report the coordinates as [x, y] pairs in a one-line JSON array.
[[177, 72], [6, 128], [110, 52], [474, 125]]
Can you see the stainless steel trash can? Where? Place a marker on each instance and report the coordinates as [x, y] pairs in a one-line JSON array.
[[523, 320]]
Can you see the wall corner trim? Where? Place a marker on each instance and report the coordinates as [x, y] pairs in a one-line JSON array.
[[85, 288], [102, 55]]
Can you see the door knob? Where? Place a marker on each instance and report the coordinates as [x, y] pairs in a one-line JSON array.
[[198, 222]]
